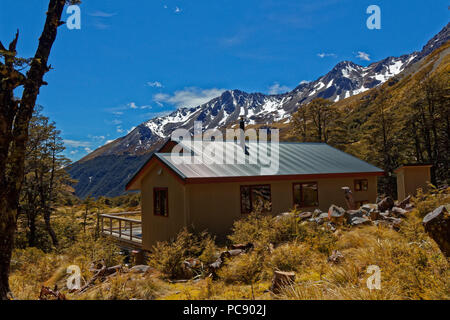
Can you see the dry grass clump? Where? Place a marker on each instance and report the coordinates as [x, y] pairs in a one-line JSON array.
[[168, 256], [409, 270]]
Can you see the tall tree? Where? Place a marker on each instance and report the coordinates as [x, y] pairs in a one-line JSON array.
[[45, 177], [15, 116]]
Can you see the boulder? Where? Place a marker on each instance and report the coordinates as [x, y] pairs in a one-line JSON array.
[[437, 225], [336, 214], [385, 204], [280, 280]]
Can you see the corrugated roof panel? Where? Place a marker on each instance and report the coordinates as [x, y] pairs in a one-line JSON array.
[[294, 159]]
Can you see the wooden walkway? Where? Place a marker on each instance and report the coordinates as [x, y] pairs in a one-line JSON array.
[[125, 230]]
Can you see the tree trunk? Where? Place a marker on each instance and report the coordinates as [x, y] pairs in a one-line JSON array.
[[7, 229], [32, 226], [49, 228], [12, 148]]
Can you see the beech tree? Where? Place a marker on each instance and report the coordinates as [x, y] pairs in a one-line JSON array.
[[15, 116], [45, 179]]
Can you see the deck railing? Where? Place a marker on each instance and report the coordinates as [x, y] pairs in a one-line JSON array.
[[127, 229]]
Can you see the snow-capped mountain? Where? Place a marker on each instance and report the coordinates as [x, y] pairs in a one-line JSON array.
[[120, 158], [344, 80]]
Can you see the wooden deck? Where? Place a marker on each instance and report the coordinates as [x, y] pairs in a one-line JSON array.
[[125, 230]]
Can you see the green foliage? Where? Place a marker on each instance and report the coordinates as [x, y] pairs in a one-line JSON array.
[[263, 230], [168, 256], [425, 202], [245, 268]]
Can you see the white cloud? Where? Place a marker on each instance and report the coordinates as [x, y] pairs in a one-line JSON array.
[[119, 129], [76, 143], [188, 97], [304, 82], [102, 14], [276, 88], [155, 84], [363, 56], [177, 10], [134, 106], [323, 55], [116, 121], [88, 150]]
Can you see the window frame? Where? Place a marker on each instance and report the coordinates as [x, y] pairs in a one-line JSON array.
[[356, 181], [159, 189], [252, 186], [301, 193]]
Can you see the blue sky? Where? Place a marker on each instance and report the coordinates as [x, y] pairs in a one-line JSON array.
[[134, 60]]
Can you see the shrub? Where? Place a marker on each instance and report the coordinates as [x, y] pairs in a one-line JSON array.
[[168, 256], [261, 230], [245, 268]]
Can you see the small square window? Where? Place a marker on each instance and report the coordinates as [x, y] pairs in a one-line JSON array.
[[306, 194], [255, 197], [361, 185], [161, 202]]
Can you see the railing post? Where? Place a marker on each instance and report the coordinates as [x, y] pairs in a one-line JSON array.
[[120, 228], [110, 226]]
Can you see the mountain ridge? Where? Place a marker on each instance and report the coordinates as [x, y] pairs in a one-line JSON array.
[[345, 80]]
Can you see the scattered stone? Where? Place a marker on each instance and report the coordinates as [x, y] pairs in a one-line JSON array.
[[399, 212], [245, 247], [283, 215], [331, 226], [336, 214], [394, 222], [357, 221], [405, 202], [140, 269], [321, 218], [374, 214], [368, 207], [385, 204], [305, 215], [437, 225], [336, 257], [280, 280]]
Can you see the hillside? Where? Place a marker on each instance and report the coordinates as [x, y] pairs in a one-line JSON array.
[[106, 170]]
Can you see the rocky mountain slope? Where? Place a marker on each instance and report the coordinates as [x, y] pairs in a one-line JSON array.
[[106, 170]]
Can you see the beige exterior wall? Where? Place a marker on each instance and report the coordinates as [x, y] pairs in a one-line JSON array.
[[409, 179], [215, 206], [157, 228]]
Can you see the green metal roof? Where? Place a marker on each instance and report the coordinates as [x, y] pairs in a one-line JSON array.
[[294, 159]]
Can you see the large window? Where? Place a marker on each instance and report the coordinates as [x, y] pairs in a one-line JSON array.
[[255, 198], [306, 194], [160, 202], [361, 185]]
